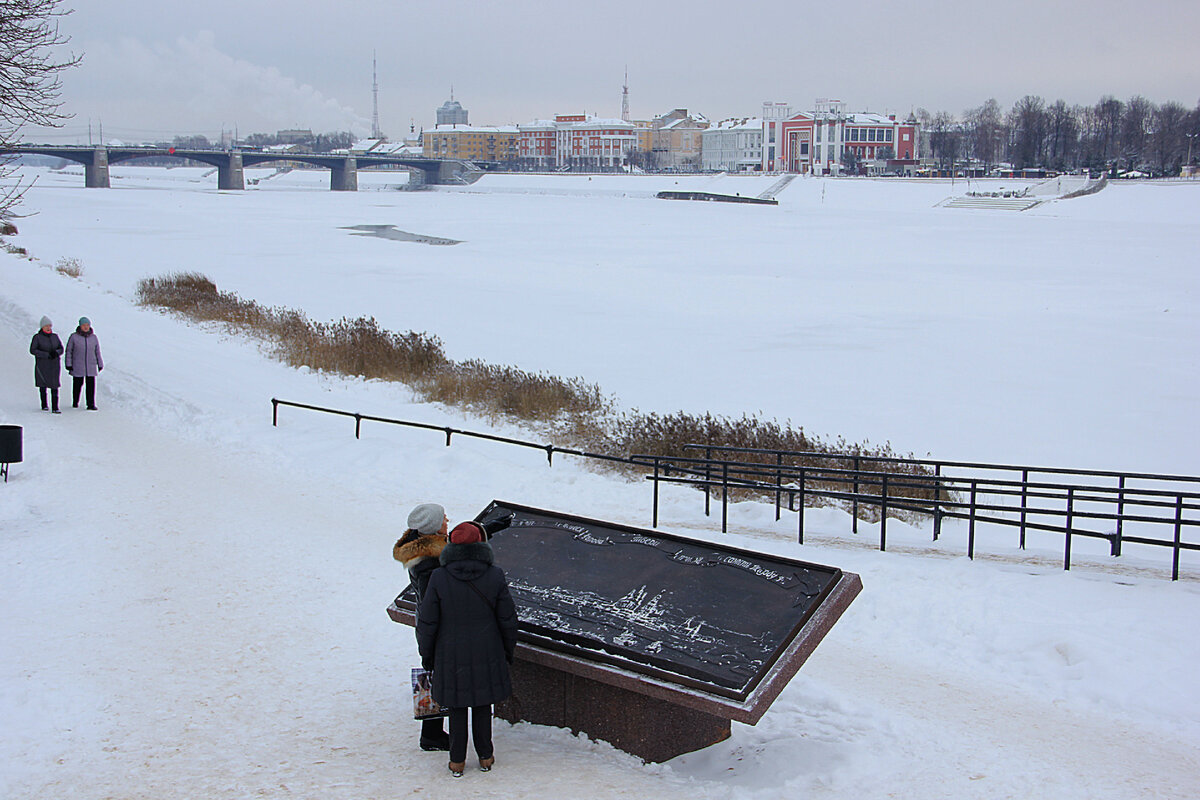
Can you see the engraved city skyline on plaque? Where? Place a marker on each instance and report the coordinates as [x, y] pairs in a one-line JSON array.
[[691, 612]]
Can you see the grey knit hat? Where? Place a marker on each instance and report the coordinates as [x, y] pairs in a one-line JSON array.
[[84, 321], [427, 518], [45, 321]]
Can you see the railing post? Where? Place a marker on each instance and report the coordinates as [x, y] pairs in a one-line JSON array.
[[937, 505], [274, 413], [778, 482], [1178, 536], [449, 433], [1116, 542], [655, 523], [1024, 503], [357, 425], [800, 524], [971, 522], [883, 514], [707, 482], [550, 454], [724, 498], [1070, 519], [854, 502]]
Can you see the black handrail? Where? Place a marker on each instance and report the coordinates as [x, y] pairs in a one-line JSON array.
[[950, 496]]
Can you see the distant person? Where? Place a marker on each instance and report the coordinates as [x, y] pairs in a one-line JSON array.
[[467, 635], [418, 550], [84, 362], [46, 349]]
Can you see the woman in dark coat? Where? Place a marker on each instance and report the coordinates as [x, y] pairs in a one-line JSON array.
[[46, 348], [84, 362], [467, 635], [418, 550]]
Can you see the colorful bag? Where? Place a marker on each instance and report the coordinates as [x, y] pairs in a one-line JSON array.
[[424, 706]]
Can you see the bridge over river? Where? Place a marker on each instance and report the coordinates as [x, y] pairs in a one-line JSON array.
[[343, 168]]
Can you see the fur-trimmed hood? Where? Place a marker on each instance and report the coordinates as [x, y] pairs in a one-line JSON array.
[[467, 561], [413, 548]]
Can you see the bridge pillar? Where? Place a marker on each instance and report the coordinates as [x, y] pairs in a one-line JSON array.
[[231, 175], [95, 174], [344, 178]]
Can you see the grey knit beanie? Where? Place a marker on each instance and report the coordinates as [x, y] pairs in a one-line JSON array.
[[45, 321], [427, 518], [84, 321]]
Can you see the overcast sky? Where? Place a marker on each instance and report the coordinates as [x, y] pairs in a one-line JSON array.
[[152, 69]]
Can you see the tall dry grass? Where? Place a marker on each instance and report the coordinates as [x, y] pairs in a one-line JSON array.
[[572, 411]]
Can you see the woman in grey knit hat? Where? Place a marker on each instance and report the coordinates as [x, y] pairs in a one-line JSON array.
[[46, 349]]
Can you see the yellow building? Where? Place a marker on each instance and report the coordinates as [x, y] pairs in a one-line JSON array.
[[499, 143]]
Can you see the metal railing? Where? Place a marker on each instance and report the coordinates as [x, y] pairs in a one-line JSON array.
[[1133, 506]]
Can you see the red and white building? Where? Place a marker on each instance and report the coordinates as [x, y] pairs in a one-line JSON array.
[[576, 141], [817, 141]]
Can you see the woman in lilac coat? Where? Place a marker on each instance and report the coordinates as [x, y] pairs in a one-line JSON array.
[[84, 362]]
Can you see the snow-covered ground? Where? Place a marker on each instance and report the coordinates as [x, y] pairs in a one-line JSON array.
[[194, 600]]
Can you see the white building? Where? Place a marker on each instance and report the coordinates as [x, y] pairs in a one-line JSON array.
[[734, 145], [577, 141]]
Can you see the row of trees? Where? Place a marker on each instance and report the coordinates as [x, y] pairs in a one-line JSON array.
[[1109, 136]]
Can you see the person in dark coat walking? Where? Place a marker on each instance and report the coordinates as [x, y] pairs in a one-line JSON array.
[[46, 349], [418, 550], [84, 362], [467, 635]]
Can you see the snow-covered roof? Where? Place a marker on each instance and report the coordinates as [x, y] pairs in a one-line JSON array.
[[742, 123], [473, 128]]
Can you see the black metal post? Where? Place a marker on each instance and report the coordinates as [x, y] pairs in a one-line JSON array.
[[550, 454], [937, 505], [724, 498], [655, 524], [1070, 515], [1024, 503], [883, 514], [971, 523], [778, 482], [707, 482], [357, 426], [1178, 536], [1116, 542], [449, 433], [274, 413], [800, 524], [854, 503]]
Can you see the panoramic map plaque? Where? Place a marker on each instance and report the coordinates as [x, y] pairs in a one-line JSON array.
[[693, 613]]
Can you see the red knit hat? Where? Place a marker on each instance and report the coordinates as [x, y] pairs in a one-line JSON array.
[[466, 533]]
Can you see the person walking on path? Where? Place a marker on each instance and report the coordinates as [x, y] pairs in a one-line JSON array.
[[418, 550], [84, 362], [467, 636], [46, 348]]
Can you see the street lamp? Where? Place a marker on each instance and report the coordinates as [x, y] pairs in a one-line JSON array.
[[1190, 138]]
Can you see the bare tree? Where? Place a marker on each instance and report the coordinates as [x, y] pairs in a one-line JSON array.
[[30, 79]]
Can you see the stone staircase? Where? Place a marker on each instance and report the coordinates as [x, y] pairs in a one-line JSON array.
[[777, 187], [1023, 203]]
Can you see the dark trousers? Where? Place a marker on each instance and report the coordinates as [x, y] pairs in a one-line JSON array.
[[77, 384], [481, 732], [53, 398]]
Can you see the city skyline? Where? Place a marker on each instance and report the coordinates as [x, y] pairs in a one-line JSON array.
[[149, 75]]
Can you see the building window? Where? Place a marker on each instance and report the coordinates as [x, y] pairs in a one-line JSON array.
[[889, 134]]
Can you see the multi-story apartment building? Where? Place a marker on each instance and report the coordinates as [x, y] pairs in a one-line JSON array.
[[576, 141], [483, 143], [824, 140], [676, 139], [733, 145]]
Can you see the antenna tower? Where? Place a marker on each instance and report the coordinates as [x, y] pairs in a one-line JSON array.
[[625, 97], [375, 132]]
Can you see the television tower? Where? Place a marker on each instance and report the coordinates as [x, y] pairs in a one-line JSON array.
[[625, 97], [375, 132]]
